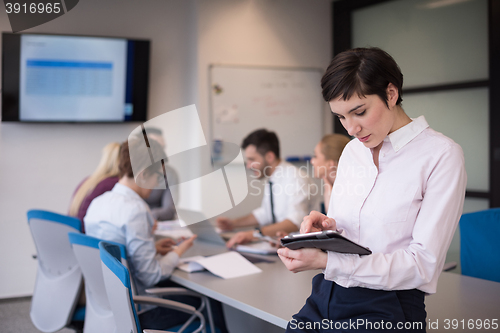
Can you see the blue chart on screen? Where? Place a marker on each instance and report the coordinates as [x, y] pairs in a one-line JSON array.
[[45, 77], [73, 78]]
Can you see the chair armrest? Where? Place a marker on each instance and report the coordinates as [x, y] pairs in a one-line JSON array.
[[183, 291], [449, 266], [166, 303], [175, 306], [171, 291]]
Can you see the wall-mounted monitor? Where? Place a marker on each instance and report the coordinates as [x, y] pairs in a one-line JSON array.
[[61, 78]]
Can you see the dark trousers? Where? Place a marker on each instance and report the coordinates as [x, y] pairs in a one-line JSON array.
[[163, 318], [332, 308]]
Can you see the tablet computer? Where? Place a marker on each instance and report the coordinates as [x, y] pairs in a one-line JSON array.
[[328, 240]]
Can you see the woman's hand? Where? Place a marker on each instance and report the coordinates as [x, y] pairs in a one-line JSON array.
[[316, 221], [303, 259]]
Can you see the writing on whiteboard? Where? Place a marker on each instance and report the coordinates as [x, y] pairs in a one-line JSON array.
[[275, 106], [282, 84], [227, 114]]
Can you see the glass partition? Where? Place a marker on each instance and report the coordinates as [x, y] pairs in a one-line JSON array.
[[432, 44], [463, 116]]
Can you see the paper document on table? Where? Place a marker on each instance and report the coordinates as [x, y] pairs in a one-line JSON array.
[[174, 229], [226, 265], [190, 265]]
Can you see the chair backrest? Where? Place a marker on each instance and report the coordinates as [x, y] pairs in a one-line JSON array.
[[479, 251], [117, 281], [59, 278], [98, 314]]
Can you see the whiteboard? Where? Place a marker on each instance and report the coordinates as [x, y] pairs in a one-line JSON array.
[[287, 101]]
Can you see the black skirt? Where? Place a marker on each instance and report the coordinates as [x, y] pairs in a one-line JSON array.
[[333, 308]]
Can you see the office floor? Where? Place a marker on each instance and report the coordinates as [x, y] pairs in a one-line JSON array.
[[15, 318]]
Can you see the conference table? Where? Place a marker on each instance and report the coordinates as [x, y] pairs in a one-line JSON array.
[[275, 294]]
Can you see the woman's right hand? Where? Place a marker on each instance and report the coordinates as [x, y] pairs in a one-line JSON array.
[[316, 221], [184, 245]]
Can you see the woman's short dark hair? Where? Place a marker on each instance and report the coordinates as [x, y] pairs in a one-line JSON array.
[[264, 141], [361, 71]]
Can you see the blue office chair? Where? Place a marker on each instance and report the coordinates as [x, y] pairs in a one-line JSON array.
[[98, 314], [479, 250], [58, 282], [117, 282]]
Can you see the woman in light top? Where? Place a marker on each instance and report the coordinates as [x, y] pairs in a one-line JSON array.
[[100, 181], [325, 161], [399, 191]]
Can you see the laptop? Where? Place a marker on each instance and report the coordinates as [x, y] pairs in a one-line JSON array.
[[204, 229], [206, 232]]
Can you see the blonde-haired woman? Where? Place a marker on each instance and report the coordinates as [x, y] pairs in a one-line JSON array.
[[102, 180], [325, 161]]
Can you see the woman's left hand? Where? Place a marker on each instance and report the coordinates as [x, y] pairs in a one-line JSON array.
[[303, 259]]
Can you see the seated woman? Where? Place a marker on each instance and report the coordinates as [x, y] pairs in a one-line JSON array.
[[325, 161], [102, 180]]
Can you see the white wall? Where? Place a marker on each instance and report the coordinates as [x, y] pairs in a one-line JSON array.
[[290, 33], [260, 32], [41, 164]]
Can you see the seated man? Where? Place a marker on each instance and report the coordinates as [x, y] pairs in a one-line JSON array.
[[121, 215], [286, 195]]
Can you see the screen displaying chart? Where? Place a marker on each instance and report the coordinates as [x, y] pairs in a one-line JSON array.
[[73, 78]]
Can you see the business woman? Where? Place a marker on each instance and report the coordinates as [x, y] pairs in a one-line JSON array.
[[399, 190]]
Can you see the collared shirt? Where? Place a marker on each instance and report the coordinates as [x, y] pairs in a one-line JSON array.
[[292, 197], [122, 216], [406, 211]]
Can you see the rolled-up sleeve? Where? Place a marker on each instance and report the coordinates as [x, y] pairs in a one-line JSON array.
[[292, 199], [260, 215]]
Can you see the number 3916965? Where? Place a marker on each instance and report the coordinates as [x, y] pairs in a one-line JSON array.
[[32, 8]]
